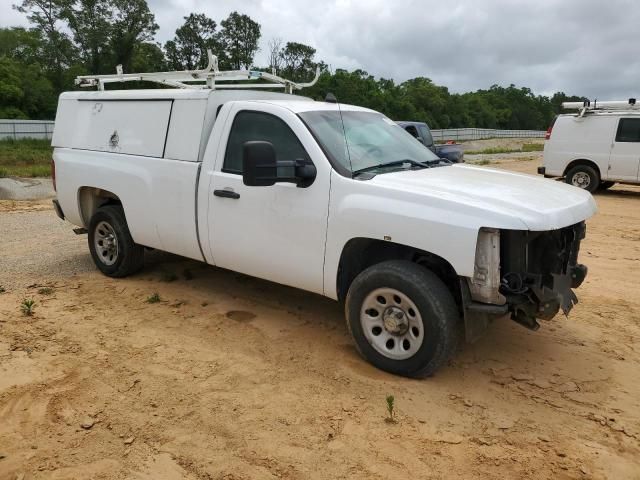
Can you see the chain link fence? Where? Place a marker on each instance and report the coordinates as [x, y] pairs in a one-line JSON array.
[[461, 134], [17, 129]]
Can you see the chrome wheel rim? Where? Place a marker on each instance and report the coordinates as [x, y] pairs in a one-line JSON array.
[[392, 323], [106, 243], [581, 180]]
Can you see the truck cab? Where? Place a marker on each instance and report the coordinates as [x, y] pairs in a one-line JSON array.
[[333, 199], [421, 132]]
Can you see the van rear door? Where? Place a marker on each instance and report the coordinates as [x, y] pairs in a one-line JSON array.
[[624, 160]]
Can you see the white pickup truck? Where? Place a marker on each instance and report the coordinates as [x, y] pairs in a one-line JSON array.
[[333, 199]]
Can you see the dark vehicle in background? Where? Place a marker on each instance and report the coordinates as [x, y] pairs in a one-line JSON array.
[[422, 133]]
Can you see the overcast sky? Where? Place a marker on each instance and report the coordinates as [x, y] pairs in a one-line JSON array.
[[586, 47]]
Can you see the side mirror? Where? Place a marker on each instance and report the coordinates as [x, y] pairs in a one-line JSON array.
[[259, 167]]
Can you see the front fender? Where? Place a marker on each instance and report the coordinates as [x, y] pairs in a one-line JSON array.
[[359, 209]]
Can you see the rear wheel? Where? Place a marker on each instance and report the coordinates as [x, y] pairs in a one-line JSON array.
[[113, 250], [583, 176], [402, 318]]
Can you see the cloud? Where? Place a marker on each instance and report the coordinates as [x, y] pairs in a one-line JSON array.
[[577, 46]]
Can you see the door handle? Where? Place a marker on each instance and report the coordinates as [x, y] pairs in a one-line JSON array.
[[226, 194]]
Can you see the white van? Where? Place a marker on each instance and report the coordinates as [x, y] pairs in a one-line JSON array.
[[595, 148]]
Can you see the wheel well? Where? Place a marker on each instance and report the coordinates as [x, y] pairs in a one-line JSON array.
[[361, 253], [91, 198], [582, 161]]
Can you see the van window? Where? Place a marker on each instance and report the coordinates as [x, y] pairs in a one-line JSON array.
[[628, 130], [250, 126]]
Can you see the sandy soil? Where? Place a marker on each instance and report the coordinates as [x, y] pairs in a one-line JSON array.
[[229, 377]]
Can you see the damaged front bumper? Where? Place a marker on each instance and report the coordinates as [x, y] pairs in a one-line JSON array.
[[537, 273]]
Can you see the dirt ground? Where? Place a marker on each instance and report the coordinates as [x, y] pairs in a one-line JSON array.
[[229, 377]]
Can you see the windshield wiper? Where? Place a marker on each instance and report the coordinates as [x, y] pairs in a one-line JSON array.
[[413, 163]]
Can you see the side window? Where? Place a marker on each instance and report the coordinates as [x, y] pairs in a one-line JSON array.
[[426, 134], [628, 130], [249, 126], [412, 130]]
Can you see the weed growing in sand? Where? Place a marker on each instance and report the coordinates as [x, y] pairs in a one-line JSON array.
[[27, 306], [45, 291], [155, 298], [168, 277], [2, 289], [391, 418]]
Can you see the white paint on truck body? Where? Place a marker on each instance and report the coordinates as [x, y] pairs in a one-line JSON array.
[[294, 236]]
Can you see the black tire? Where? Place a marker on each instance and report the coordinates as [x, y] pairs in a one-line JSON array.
[[128, 257], [583, 176], [606, 185], [436, 306]]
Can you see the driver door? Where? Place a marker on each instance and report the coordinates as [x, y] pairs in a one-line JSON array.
[[276, 232]]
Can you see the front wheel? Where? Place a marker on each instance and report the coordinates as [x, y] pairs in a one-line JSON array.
[[113, 250], [583, 176], [402, 318]]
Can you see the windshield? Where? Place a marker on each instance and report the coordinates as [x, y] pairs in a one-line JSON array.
[[371, 140]]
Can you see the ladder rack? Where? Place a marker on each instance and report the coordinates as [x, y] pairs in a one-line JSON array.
[[210, 75], [616, 105]]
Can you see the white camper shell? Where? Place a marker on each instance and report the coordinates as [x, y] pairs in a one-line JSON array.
[[595, 147], [170, 124]]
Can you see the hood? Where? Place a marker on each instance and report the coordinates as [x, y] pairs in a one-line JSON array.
[[540, 204]]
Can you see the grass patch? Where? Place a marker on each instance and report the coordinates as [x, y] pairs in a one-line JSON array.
[[491, 151], [526, 147], [391, 409], [155, 298], [168, 277], [27, 306], [25, 158], [533, 147]]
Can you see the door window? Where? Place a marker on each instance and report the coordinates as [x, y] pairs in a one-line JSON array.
[[251, 126], [412, 130], [426, 134], [628, 130]]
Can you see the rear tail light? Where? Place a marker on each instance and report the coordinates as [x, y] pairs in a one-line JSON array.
[[53, 174], [547, 135]]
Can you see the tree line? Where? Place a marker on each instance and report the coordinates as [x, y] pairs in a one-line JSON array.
[[68, 38]]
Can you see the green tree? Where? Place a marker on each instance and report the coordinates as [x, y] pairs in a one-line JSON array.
[[240, 36], [133, 23], [148, 57], [297, 61], [21, 44], [188, 49], [46, 16], [91, 24], [24, 91]]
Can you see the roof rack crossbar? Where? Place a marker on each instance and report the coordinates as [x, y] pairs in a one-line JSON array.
[[210, 75], [588, 106]]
